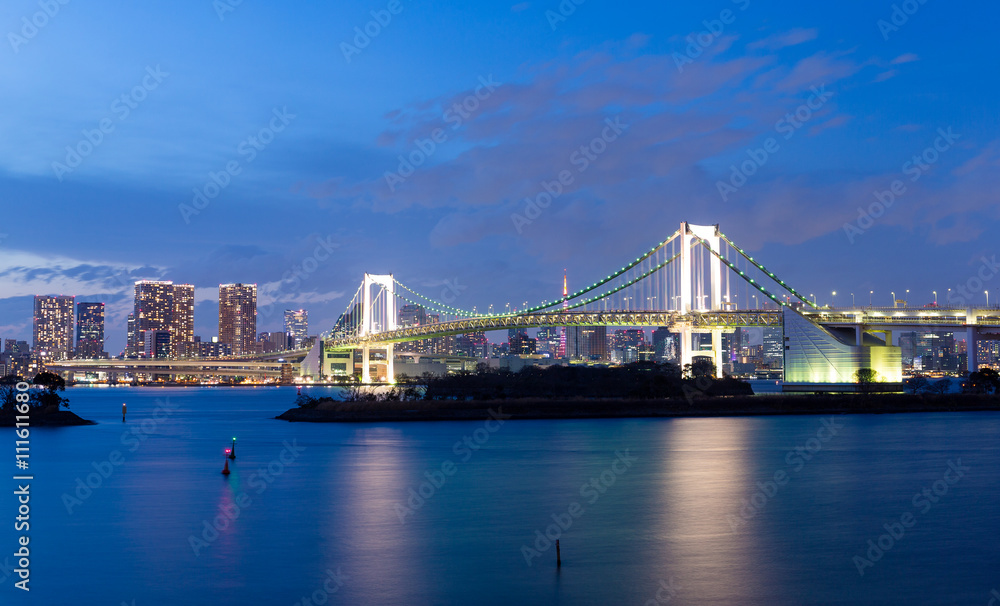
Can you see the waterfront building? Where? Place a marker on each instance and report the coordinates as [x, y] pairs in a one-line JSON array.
[[52, 327], [90, 330], [156, 344], [182, 321], [238, 317]]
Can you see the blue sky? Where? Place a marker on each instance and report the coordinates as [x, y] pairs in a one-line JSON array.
[[118, 216]]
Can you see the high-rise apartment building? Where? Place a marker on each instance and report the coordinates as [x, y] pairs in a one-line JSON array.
[[238, 317], [53, 327], [90, 330], [131, 349], [182, 321], [162, 305], [154, 305], [297, 326]]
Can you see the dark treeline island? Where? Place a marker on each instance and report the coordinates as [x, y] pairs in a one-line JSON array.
[[38, 399], [642, 389]]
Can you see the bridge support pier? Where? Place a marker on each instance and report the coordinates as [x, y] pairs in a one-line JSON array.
[[687, 351], [686, 354], [970, 349], [366, 370], [717, 352], [390, 369]]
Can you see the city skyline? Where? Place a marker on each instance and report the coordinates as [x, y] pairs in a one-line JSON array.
[[852, 106]]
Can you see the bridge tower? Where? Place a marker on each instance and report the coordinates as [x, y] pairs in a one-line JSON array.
[[378, 320], [692, 280]]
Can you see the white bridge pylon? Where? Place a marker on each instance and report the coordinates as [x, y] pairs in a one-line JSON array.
[[378, 314], [692, 280]]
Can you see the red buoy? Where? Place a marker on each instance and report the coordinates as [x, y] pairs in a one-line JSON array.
[[225, 470]]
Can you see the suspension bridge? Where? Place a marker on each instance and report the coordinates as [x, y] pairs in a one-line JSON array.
[[695, 281]]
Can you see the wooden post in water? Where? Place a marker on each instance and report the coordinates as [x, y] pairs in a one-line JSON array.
[[558, 555]]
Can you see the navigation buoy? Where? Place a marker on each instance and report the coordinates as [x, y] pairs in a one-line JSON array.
[[123, 412], [225, 470], [232, 453], [558, 554]]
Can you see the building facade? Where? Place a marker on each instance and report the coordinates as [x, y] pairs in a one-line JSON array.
[[586, 343], [90, 331], [52, 327], [297, 326], [182, 321], [238, 317]]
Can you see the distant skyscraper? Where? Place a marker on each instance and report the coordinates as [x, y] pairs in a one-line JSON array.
[[549, 340], [90, 330], [627, 342], [182, 321], [53, 327], [238, 317], [586, 342], [270, 342], [154, 305], [156, 344], [413, 315], [473, 345], [15, 347], [664, 345], [774, 347], [131, 347], [297, 326], [517, 340]]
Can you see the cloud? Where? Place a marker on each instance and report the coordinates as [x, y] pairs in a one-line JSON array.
[[905, 58], [790, 38]]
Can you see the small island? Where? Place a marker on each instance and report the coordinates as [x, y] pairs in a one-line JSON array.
[[635, 390], [45, 406]]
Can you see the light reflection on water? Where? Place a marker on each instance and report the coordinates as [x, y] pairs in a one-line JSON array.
[[664, 519]]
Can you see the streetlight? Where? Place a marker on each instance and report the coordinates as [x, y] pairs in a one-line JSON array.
[[755, 302], [893, 298], [935, 298], [870, 293], [833, 299], [852, 299], [987, 297]]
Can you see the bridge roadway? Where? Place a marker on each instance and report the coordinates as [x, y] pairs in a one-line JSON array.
[[887, 317], [263, 365], [695, 320]]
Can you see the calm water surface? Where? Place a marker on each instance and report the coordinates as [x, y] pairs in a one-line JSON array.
[[675, 515]]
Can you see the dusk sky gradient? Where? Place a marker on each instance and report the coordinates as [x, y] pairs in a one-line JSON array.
[[118, 216]]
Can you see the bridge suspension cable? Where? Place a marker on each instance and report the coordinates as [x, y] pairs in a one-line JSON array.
[[559, 301], [750, 281], [765, 270], [652, 287]]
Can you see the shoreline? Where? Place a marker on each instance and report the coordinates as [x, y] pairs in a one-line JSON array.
[[46, 418], [622, 408]]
